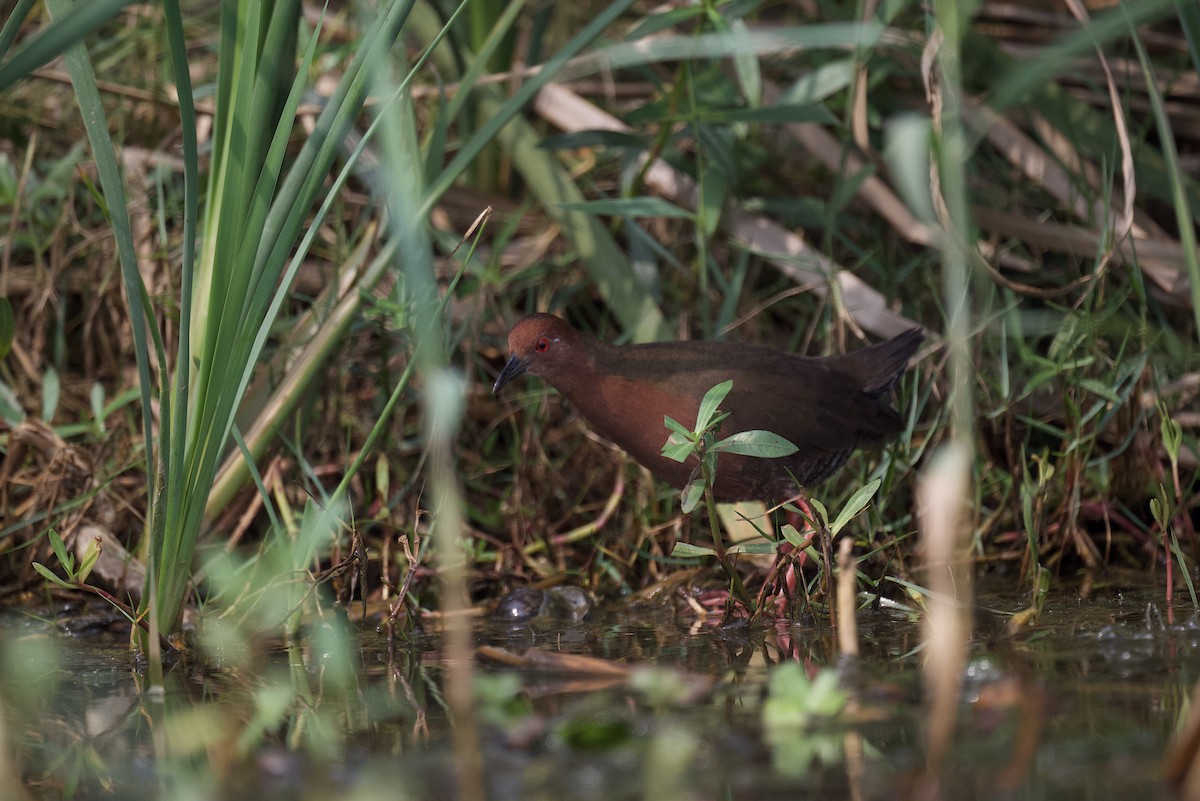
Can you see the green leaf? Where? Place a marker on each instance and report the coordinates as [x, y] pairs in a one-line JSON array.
[[691, 495], [594, 138], [10, 406], [855, 505], [1101, 390], [713, 187], [1157, 506], [708, 405], [745, 63], [681, 443], [818, 84], [778, 114], [676, 426], [654, 23], [66, 30], [754, 547], [757, 442], [793, 536], [629, 207], [684, 550], [51, 388], [89, 559], [60, 550], [47, 574], [1172, 432], [678, 449], [819, 509], [97, 399], [8, 326]]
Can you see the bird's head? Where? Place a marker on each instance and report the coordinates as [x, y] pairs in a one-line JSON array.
[[541, 345]]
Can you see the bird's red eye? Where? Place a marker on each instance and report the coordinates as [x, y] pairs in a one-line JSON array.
[[542, 345]]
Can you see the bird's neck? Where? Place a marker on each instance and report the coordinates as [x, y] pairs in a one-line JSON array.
[[580, 381]]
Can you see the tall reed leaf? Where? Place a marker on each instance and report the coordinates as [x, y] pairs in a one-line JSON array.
[[252, 223]]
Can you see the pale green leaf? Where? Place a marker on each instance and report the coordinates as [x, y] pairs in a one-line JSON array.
[[97, 399], [691, 495], [10, 406], [676, 426], [684, 550], [677, 449], [629, 207], [47, 574], [793, 536], [745, 63], [907, 144], [89, 559], [857, 502], [753, 547], [762, 444], [819, 509], [708, 405], [60, 550], [51, 388]]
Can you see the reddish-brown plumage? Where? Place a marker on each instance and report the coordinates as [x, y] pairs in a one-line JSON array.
[[828, 407]]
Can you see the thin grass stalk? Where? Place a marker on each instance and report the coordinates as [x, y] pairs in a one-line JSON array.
[[442, 411], [442, 407], [946, 486], [954, 152]]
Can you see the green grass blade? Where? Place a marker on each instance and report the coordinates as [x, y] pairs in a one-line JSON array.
[[508, 110], [1032, 73], [1179, 196], [72, 22], [12, 26]]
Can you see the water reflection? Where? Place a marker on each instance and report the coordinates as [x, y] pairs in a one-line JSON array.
[[1080, 706]]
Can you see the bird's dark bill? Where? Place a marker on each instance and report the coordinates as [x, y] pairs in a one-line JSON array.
[[513, 368]]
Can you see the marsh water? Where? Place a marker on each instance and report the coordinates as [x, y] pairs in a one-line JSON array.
[[1081, 705]]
